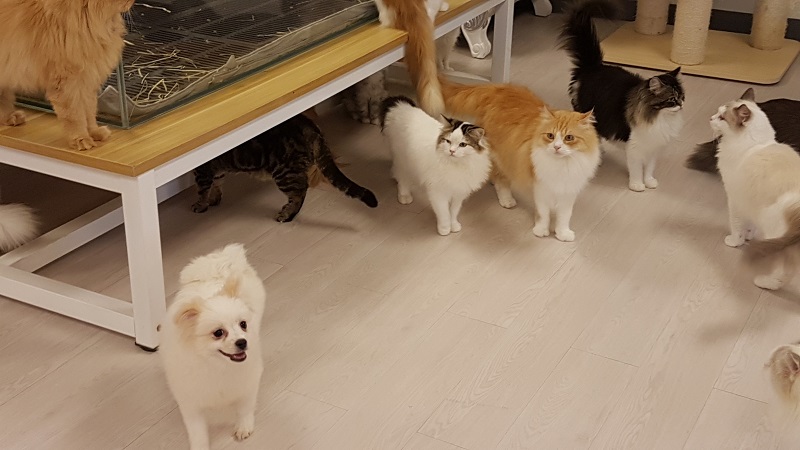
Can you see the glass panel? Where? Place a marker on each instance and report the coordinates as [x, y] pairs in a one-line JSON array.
[[178, 50]]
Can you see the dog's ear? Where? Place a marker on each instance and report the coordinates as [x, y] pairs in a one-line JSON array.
[[231, 287], [187, 313]]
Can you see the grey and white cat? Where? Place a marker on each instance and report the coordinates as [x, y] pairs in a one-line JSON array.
[[447, 161], [364, 99], [763, 189]]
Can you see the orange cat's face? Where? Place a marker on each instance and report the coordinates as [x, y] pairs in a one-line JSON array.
[[563, 133]]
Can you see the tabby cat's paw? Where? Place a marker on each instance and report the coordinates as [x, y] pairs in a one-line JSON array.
[[541, 230], [565, 235], [734, 241], [768, 282], [100, 133], [200, 207], [636, 186], [650, 183], [14, 119]]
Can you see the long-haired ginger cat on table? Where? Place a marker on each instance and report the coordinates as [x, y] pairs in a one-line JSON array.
[[554, 152], [66, 49]]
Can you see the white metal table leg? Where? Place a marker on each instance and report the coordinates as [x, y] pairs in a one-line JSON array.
[[501, 53], [143, 238], [475, 33]]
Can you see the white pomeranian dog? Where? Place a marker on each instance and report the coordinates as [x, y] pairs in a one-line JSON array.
[[210, 342]]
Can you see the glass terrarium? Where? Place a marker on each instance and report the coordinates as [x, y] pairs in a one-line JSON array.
[[178, 50]]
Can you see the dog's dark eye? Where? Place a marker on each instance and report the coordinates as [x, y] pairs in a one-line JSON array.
[[243, 324], [219, 333]]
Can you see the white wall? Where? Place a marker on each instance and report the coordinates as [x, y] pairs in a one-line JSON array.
[[749, 5]]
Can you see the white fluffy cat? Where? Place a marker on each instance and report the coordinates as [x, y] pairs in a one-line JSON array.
[[763, 187], [448, 161]]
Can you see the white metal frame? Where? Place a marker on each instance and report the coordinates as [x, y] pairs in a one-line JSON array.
[[138, 207]]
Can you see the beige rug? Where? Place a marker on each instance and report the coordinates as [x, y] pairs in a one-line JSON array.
[[728, 55]]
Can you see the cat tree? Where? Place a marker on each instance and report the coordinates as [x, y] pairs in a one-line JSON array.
[[649, 42]]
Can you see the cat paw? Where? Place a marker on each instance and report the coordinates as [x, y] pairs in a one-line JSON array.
[[541, 230], [507, 203], [650, 183], [768, 282], [82, 143], [734, 241], [199, 207], [444, 6], [14, 119], [636, 187], [455, 226], [443, 230], [405, 199], [565, 235], [243, 430], [100, 133], [284, 216]]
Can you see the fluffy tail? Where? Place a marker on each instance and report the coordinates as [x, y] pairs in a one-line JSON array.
[[766, 247], [324, 161], [17, 226], [704, 157], [579, 37], [219, 264], [390, 103], [421, 60]]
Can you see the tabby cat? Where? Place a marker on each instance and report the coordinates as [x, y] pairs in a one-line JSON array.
[[554, 152], [783, 114], [287, 153], [644, 114], [65, 48]]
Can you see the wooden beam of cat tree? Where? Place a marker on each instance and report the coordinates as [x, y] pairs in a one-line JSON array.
[[760, 58]]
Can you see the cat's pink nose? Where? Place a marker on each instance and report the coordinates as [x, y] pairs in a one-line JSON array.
[[557, 147]]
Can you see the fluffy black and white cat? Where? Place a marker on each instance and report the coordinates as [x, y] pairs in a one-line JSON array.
[[287, 153], [643, 113]]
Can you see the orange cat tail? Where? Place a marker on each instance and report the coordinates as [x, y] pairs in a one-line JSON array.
[[421, 61], [462, 100]]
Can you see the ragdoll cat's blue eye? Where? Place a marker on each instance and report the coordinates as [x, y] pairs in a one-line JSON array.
[[243, 325], [218, 333]]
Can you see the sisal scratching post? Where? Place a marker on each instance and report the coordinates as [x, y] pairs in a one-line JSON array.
[[770, 20], [692, 18], [651, 16]]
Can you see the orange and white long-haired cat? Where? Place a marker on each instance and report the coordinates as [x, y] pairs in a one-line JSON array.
[[416, 18], [66, 49], [555, 152]]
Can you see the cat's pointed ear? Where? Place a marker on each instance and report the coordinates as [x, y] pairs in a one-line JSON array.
[[675, 72], [655, 84], [476, 133], [446, 120], [547, 113], [743, 115], [587, 119], [749, 95]]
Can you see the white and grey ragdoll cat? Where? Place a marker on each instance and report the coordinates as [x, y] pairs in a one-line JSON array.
[[449, 161], [763, 187]]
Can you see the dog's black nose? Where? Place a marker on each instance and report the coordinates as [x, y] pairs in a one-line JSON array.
[[241, 343]]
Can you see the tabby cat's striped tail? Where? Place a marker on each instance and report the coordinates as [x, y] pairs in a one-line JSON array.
[[325, 163]]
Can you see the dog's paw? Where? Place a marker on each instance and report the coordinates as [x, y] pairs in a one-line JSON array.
[[14, 119], [650, 183]]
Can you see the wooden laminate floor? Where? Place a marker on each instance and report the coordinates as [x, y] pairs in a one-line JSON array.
[[645, 333]]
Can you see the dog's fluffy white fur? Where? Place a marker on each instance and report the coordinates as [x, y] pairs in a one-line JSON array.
[[210, 342], [17, 226]]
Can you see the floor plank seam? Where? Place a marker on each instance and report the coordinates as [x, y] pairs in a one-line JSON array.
[[133, 441], [603, 356], [318, 400]]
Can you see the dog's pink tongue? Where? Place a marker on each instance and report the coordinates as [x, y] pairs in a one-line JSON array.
[[239, 357]]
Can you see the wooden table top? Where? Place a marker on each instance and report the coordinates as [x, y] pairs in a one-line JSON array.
[[147, 146]]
